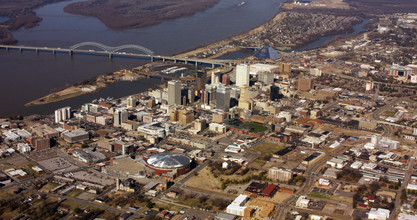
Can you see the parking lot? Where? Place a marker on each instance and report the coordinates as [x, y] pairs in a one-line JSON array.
[[57, 165]]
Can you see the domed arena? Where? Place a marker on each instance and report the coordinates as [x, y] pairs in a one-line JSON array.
[[168, 165]]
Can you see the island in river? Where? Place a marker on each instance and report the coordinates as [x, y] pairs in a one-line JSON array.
[[20, 13], [116, 14], [127, 14]]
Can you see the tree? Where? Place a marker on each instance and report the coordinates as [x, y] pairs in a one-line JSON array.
[[403, 195], [150, 204]]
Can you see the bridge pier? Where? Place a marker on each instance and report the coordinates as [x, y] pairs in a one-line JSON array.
[[7, 49], [175, 60], [37, 51], [196, 64], [185, 61], [151, 58], [53, 52], [163, 60], [20, 50], [212, 65], [110, 56], [70, 52]]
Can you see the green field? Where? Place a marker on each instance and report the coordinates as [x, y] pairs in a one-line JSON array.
[[255, 128], [75, 193]]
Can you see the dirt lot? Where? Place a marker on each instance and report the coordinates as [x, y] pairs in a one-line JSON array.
[[341, 131], [205, 180], [278, 197]]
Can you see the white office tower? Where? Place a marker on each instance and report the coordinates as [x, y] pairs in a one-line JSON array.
[[120, 116], [174, 92], [62, 114], [242, 75], [131, 102], [375, 139], [215, 78]]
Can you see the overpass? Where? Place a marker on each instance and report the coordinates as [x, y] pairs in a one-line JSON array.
[[111, 52]]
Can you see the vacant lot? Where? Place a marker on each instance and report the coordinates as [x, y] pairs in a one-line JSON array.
[[268, 148], [205, 180]]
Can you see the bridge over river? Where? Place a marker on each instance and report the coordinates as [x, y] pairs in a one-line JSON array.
[[111, 52]]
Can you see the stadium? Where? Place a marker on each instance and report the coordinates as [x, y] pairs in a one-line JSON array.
[[167, 165]]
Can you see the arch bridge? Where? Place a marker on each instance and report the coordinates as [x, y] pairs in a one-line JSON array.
[[112, 49]]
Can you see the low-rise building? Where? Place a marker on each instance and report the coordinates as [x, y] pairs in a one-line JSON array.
[[378, 214], [78, 135], [280, 174], [302, 202], [237, 207]]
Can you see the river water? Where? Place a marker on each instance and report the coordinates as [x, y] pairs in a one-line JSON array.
[[28, 76]]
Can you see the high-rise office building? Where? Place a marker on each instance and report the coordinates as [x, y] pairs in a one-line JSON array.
[[201, 80], [225, 80], [305, 84], [174, 92], [266, 77], [275, 93], [285, 68], [223, 98], [242, 75], [191, 95], [131, 102], [62, 114], [119, 117], [244, 100], [215, 78]]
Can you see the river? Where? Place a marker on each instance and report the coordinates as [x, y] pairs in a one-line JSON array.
[[28, 76]]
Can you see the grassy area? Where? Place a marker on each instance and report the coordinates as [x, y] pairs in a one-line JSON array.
[[259, 161], [330, 197], [255, 128], [319, 195], [74, 193], [388, 113], [267, 148], [48, 187], [70, 205]]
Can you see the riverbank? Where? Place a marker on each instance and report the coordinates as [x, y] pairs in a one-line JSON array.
[[89, 86]]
